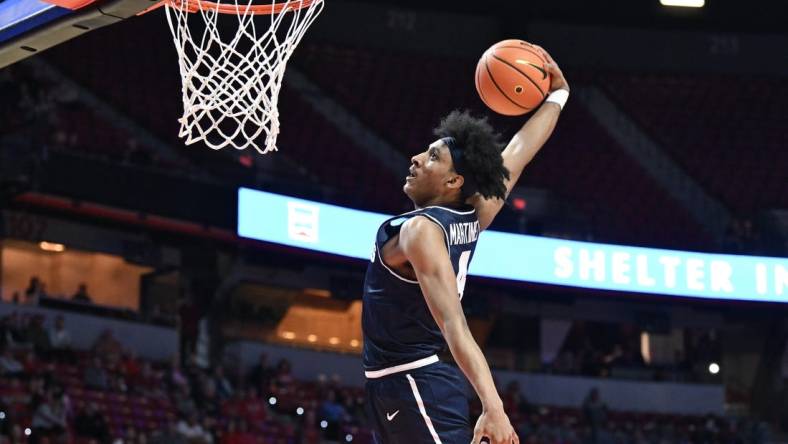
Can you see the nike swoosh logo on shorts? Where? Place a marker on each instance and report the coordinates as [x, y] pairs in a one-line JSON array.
[[392, 415]]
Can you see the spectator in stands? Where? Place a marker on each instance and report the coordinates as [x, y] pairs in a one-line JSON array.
[[183, 400], [118, 384], [176, 377], [32, 364], [147, 382], [223, 385], [565, 363], [38, 335], [82, 294], [132, 436], [253, 408], [37, 388], [209, 424], [513, 399], [16, 331], [130, 367], [49, 419], [7, 420], [238, 433], [358, 409], [59, 337], [191, 430], [9, 366], [262, 374], [188, 326], [17, 436], [107, 346], [170, 435], [595, 412], [5, 333], [208, 399], [34, 290], [284, 377], [90, 423], [95, 376], [333, 412]]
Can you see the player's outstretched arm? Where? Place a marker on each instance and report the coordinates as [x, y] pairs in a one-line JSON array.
[[423, 244], [526, 143]]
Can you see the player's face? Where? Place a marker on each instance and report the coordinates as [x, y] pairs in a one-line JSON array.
[[429, 174]]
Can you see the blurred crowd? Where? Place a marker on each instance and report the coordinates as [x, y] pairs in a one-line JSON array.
[[595, 423], [37, 289], [51, 392]]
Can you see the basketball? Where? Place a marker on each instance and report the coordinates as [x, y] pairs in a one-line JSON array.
[[511, 78]]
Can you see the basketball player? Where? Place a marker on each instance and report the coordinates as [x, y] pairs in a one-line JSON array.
[[414, 283]]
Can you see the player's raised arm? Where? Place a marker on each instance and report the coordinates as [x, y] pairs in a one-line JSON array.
[[422, 242], [526, 143]]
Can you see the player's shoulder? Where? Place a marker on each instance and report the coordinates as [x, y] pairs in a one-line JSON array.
[[421, 227], [420, 224]]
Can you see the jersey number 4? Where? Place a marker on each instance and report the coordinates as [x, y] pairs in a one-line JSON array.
[[462, 272]]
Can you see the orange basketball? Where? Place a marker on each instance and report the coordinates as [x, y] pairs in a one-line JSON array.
[[511, 78]]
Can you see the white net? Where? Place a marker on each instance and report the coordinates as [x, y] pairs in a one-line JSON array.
[[232, 60]]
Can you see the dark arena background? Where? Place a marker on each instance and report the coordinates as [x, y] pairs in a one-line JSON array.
[[632, 290]]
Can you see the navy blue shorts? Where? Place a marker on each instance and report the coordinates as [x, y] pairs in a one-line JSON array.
[[422, 406]]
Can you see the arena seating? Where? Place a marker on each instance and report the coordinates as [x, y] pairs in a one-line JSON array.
[[306, 138], [406, 96], [692, 117], [149, 405], [581, 163]]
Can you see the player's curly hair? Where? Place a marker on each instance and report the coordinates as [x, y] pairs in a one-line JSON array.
[[481, 147]]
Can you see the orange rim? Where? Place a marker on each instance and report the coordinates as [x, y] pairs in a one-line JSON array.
[[277, 8]]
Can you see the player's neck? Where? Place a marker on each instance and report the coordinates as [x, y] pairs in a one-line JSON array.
[[440, 201]]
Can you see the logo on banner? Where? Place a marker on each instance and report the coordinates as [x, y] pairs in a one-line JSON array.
[[302, 221]]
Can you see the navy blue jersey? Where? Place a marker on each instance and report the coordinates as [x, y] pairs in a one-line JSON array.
[[397, 324]]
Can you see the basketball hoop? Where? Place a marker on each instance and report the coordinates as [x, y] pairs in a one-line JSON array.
[[232, 67]]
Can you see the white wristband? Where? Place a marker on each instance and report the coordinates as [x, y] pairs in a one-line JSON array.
[[559, 96]]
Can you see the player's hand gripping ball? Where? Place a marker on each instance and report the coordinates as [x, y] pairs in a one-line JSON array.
[[513, 77]]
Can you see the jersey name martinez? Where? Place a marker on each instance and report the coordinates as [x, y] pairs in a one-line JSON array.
[[463, 232]]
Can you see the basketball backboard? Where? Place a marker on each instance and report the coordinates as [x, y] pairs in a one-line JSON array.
[[31, 26]]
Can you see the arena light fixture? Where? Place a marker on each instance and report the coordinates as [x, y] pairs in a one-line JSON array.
[[288, 335], [318, 292], [684, 3], [354, 343], [311, 338], [714, 368], [52, 247], [333, 340]]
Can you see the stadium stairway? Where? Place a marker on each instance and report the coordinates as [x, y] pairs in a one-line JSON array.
[[648, 153]]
